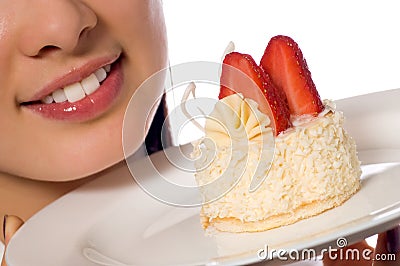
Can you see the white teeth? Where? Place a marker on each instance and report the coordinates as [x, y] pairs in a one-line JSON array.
[[90, 84], [48, 99], [59, 96], [74, 92], [79, 90], [101, 74]]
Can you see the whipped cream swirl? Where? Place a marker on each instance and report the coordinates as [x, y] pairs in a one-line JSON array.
[[235, 119]]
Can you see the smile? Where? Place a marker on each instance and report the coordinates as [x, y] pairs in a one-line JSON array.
[[82, 100], [79, 90]]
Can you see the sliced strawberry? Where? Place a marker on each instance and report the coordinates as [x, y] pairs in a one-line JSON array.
[[241, 74], [284, 62]]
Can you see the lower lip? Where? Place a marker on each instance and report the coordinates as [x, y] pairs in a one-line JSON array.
[[90, 107]]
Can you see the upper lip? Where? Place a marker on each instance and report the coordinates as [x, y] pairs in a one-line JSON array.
[[75, 75]]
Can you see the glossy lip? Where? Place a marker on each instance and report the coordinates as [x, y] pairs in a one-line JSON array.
[[76, 75], [89, 107]]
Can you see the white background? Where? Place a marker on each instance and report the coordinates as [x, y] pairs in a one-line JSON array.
[[352, 47]]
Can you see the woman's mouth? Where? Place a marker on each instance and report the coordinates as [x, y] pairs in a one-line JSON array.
[[79, 90], [83, 100]]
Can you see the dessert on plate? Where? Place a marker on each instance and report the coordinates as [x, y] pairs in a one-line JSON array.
[[279, 153]]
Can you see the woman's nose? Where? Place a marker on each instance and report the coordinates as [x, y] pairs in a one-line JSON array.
[[54, 25]]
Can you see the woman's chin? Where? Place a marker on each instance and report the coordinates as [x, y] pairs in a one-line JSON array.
[[78, 171]]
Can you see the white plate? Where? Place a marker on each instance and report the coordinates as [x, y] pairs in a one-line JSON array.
[[114, 222]]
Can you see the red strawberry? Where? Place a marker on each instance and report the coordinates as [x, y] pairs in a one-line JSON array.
[[241, 74], [284, 62]]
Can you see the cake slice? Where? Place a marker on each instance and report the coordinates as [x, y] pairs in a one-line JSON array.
[[293, 144]]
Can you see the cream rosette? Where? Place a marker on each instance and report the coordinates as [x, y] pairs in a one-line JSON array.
[[233, 130], [235, 119]]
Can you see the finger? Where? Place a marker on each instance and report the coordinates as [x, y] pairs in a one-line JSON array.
[[10, 226], [387, 252]]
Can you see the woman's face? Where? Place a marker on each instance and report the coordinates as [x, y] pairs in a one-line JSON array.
[[58, 121]]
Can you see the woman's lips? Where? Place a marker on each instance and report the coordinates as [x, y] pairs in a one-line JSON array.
[[88, 108]]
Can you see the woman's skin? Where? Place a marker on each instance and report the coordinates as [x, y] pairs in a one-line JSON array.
[[43, 41], [13, 224]]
